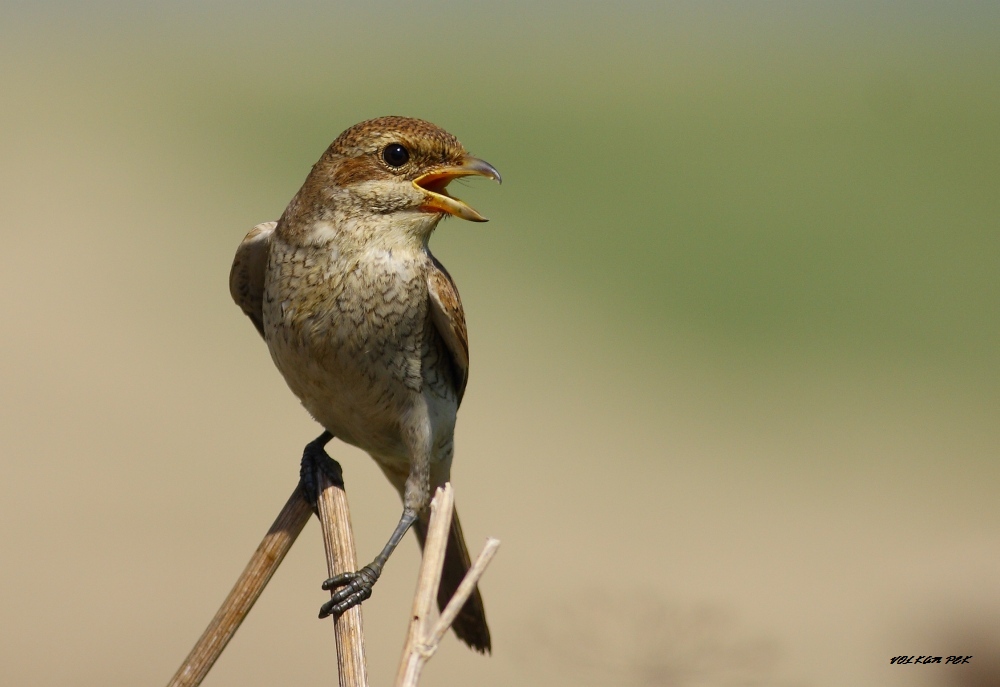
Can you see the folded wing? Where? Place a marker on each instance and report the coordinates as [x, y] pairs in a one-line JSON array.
[[449, 319], [246, 279]]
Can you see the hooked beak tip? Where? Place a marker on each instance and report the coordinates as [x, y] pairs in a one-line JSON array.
[[434, 182]]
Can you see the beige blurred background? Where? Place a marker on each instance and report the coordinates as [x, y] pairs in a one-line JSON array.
[[735, 398]]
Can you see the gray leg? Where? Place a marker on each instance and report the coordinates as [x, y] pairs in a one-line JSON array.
[[355, 587]]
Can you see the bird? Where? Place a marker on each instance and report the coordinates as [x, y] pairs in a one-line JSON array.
[[367, 327]]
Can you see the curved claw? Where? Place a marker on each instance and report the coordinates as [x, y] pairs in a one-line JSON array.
[[339, 580], [334, 608], [355, 587]]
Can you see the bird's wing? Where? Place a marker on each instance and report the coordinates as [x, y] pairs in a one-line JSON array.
[[246, 279], [449, 320]]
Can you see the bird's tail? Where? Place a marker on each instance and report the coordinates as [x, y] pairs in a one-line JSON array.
[[470, 625]]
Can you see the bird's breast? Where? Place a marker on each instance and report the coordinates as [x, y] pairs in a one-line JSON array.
[[348, 330]]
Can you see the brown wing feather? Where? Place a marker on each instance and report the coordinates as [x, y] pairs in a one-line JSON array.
[[246, 279], [449, 319]]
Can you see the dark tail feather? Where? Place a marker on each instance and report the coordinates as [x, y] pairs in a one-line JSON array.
[[470, 624]]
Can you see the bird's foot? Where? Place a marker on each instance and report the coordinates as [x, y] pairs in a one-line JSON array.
[[354, 587], [315, 457]]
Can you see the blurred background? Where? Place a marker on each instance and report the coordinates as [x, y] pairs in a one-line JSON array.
[[735, 398]]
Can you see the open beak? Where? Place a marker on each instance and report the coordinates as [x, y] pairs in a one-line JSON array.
[[434, 184]]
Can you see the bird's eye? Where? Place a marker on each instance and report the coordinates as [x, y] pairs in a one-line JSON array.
[[395, 155]]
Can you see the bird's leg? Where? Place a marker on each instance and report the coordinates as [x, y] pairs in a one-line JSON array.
[[355, 587], [314, 457]]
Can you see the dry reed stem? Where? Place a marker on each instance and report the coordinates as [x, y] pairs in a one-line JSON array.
[[338, 541], [265, 560], [424, 635]]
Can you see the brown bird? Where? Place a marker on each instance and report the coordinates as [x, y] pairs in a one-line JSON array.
[[367, 327]]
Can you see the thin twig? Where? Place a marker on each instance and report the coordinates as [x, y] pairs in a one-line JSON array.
[[265, 560], [338, 540], [424, 635], [464, 591]]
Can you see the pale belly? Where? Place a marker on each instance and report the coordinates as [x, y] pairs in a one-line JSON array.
[[356, 403]]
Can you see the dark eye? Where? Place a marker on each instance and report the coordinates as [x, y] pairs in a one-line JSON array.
[[395, 155]]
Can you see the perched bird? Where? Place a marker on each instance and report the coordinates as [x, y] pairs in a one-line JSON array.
[[367, 327]]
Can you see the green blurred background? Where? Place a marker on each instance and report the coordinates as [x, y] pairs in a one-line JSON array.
[[735, 397]]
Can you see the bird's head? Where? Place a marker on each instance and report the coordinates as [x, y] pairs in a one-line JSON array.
[[394, 171]]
